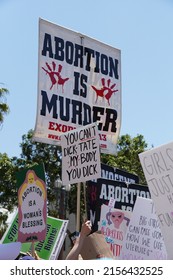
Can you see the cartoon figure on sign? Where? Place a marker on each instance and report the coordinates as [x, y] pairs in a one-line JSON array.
[[32, 205], [53, 74], [116, 217], [106, 91]]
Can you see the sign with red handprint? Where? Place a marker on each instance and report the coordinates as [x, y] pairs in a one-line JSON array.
[[79, 83], [105, 91]]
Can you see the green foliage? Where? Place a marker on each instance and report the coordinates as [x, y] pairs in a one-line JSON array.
[[4, 108], [127, 158], [8, 191], [3, 224]]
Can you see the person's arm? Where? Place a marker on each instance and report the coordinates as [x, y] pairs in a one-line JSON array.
[[75, 251]]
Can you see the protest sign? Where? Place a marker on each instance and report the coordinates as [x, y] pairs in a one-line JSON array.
[[32, 204], [80, 155], [47, 249], [157, 165], [100, 192], [117, 174], [79, 82], [113, 225], [143, 239], [10, 251]]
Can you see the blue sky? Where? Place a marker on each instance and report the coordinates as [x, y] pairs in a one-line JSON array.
[[141, 29]]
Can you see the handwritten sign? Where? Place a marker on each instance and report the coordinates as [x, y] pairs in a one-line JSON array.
[[143, 239], [113, 225], [157, 165], [80, 155]]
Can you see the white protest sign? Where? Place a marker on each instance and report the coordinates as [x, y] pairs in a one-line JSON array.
[[113, 225], [10, 251], [157, 165], [143, 240], [80, 155], [79, 82]]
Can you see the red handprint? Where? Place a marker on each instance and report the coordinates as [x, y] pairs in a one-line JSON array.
[[105, 91], [52, 74], [61, 81]]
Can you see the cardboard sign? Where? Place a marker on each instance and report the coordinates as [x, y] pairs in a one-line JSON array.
[[157, 165], [10, 251], [48, 249], [32, 202], [79, 82], [95, 246], [80, 155], [113, 225], [103, 190], [143, 239]]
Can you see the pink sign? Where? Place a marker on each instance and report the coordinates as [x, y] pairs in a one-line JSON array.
[[32, 201]]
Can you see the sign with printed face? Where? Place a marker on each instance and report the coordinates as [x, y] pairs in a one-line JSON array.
[[32, 202], [157, 165], [47, 249], [79, 82], [103, 190], [143, 239], [113, 225], [80, 155]]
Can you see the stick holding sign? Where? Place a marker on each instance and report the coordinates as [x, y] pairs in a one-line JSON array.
[[80, 158], [80, 155]]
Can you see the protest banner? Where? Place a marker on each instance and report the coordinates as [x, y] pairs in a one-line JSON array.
[[32, 204], [100, 192], [10, 251], [80, 155], [117, 174], [113, 225], [47, 249], [157, 165], [143, 239], [79, 82]]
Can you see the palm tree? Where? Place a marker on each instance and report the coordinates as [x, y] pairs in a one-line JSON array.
[[4, 108]]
